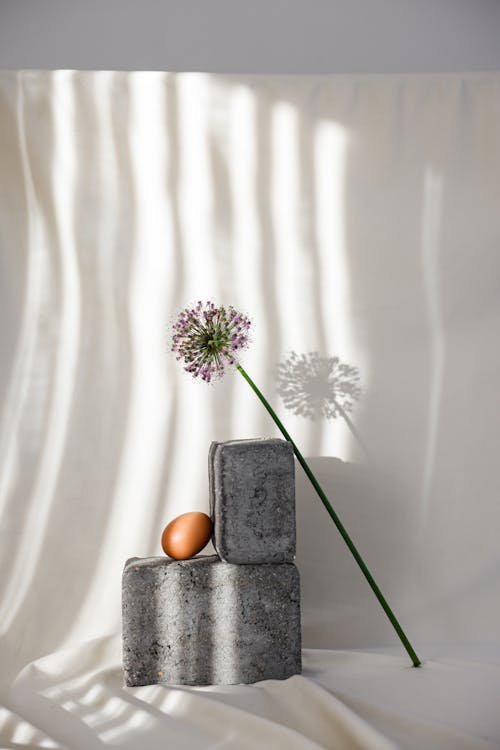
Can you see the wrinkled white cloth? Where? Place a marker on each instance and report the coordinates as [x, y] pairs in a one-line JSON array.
[[352, 216], [345, 700]]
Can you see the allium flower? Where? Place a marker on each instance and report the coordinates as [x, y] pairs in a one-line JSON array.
[[312, 386], [207, 338]]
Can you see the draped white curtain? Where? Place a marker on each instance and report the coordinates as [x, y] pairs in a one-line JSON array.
[[353, 216]]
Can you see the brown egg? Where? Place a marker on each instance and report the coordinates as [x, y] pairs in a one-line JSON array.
[[186, 535]]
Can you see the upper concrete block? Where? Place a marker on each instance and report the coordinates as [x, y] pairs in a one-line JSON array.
[[252, 500]]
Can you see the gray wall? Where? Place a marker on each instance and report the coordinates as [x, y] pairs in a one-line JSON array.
[[254, 36]]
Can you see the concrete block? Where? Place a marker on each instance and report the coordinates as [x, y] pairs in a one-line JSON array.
[[252, 500], [203, 621]]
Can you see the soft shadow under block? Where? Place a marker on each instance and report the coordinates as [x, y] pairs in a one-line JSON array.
[[252, 500], [204, 621]]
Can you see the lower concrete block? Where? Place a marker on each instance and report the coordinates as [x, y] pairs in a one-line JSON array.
[[204, 621], [252, 500]]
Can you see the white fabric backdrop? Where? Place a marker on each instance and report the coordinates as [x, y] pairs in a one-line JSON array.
[[356, 216]]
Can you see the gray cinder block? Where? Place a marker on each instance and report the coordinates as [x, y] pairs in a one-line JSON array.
[[203, 621], [252, 500]]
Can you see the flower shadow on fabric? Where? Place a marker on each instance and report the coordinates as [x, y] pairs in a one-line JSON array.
[[312, 386], [318, 387]]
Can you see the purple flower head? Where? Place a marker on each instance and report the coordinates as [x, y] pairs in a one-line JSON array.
[[206, 338]]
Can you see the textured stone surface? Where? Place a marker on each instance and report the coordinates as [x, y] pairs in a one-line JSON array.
[[252, 500], [203, 621]]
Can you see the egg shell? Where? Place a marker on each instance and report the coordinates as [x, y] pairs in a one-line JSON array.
[[186, 535]]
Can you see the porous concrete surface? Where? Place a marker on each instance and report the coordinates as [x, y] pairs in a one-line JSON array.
[[252, 500], [205, 622]]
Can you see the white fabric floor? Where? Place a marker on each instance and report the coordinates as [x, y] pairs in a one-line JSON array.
[[344, 700]]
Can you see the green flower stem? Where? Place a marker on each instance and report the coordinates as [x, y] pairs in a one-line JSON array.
[[347, 539]]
